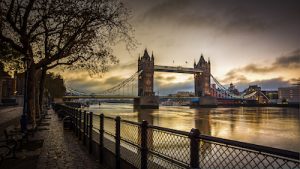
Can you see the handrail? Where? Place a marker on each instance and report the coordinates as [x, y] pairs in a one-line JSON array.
[[131, 122], [179, 132]]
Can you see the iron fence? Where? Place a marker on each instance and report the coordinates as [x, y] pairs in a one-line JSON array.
[[147, 146]]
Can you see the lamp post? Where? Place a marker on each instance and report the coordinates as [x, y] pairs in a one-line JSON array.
[[24, 117]]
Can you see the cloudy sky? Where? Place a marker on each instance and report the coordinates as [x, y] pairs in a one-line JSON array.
[[248, 42]]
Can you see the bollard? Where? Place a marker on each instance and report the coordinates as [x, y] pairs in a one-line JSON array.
[[91, 133], [101, 134], [144, 145], [118, 142], [194, 148]]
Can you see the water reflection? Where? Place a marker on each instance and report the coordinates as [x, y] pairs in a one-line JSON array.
[[276, 127]]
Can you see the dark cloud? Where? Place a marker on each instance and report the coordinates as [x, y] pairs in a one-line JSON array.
[[234, 76], [291, 61], [114, 80], [83, 86], [230, 15], [269, 84], [257, 69], [295, 80]]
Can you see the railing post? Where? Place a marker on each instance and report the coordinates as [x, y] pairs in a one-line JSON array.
[[101, 135], [118, 142], [76, 121], [84, 127], [80, 124], [91, 133], [144, 145], [72, 110], [194, 148]]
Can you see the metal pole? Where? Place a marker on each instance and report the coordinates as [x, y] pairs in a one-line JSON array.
[[144, 145], [101, 134], [77, 122], [118, 142], [91, 133], [194, 148], [84, 127], [80, 124]]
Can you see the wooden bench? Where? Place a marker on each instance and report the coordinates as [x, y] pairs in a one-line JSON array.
[[7, 149], [13, 133]]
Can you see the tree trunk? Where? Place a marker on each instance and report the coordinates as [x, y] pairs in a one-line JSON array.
[[41, 89], [31, 95], [37, 103]]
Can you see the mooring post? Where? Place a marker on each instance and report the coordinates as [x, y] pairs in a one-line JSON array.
[[101, 134], [194, 148], [118, 142], [91, 133], [144, 144]]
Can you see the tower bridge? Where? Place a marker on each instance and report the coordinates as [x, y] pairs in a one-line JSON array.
[[147, 67], [146, 97]]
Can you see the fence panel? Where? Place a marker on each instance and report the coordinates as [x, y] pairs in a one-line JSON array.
[[168, 148], [218, 155], [130, 143]]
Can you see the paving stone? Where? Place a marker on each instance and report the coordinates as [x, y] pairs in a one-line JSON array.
[[62, 149]]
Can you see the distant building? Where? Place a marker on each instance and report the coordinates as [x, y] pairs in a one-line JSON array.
[[289, 94], [272, 95], [259, 96], [183, 94], [6, 85], [10, 87], [233, 90]]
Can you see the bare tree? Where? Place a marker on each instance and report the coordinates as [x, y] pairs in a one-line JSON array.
[[75, 34]]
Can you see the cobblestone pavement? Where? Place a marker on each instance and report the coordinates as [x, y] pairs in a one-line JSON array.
[[61, 149]]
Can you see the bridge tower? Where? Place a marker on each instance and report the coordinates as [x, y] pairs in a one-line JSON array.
[[147, 98], [145, 81], [202, 80]]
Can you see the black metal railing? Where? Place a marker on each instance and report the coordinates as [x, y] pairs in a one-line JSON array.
[[147, 146]]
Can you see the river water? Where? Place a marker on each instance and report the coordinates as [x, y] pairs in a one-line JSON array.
[[269, 126]]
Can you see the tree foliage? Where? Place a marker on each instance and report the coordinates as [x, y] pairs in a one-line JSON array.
[[73, 34], [76, 34]]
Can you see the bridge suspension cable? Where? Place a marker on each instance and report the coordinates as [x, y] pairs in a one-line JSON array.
[[117, 89], [243, 95]]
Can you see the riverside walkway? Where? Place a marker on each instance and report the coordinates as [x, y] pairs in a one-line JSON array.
[[52, 147]]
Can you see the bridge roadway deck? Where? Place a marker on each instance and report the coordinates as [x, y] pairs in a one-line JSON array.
[[120, 97], [176, 69]]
